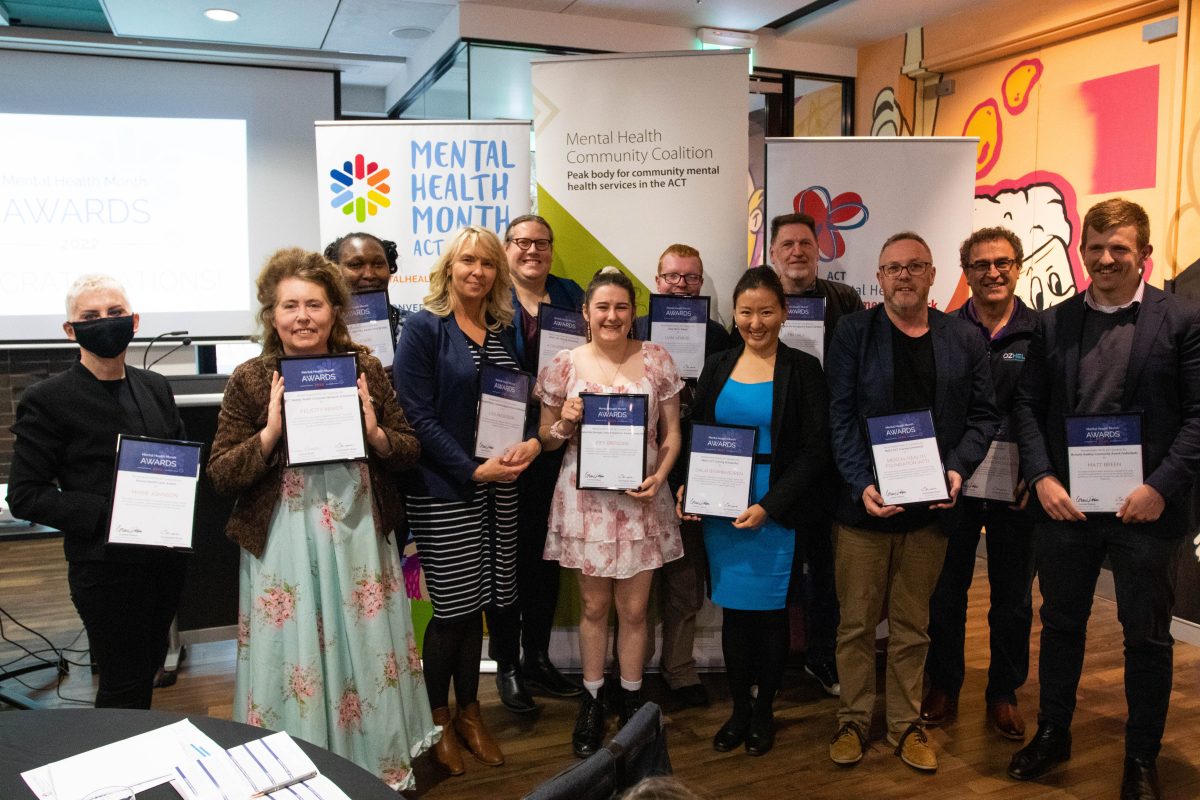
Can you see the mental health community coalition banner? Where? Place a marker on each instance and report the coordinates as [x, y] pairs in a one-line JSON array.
[[416, 183], [639, 151]]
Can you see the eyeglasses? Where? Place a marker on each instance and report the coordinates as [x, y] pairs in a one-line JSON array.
[[983, 266], [675, 277], [541, 245], [915, 268]]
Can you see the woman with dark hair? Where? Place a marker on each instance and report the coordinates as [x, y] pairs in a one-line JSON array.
[[615, 540], [325, 643], [463, 513], [781, 391], [367, 263]]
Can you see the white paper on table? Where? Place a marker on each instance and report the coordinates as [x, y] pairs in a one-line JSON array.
[[252, 767], [996, 476], [138, 762]]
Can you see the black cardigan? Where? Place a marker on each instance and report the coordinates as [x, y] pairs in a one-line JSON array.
[[799, 429]]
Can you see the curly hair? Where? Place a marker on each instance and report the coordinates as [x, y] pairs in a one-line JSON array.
[[333, 250], [294, 262], [995, 234], [497, 306]]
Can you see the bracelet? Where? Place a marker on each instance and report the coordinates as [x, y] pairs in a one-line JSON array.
[[554, 431]]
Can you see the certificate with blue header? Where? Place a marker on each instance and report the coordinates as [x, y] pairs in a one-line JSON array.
[[680, 325], [720, 474], [154, 492], [612, 441], [1104, 457], [997, 475], [558, 329], [322, 415], [370, 322], [804, 328], [904, 453], [503, 407]]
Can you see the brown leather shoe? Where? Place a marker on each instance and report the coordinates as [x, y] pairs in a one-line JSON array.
[[1007, 720], [470, 727], [938, 708], [446, 751]]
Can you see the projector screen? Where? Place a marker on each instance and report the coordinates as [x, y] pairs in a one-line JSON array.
[[178, 179]]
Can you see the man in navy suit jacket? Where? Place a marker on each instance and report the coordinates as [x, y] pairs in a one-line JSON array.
[[899, 356], [1122, 347]]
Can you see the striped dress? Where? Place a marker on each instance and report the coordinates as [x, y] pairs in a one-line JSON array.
[[469, 549]]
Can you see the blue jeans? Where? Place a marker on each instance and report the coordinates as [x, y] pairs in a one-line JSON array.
[[1009, 542], [1069, 556]]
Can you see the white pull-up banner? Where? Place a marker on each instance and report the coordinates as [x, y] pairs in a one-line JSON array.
[[416, 183], [861, 190]]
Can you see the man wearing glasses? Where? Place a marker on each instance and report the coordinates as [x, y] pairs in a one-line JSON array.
[[681, 273], [898, 356], [991, 260]]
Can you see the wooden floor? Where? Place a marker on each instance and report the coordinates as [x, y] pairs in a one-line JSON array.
[[33, 590]]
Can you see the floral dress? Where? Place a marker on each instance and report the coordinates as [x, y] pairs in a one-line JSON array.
[[325, 642], [603, 533]]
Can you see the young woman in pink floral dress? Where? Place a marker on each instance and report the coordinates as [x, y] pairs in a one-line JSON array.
[[615, 540], [325, 643]]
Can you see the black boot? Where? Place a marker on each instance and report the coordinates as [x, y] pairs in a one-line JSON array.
[[1051, 745], [760, 738], [589, 726], [538, 671], [734, 731], [513, 693], [630, 701], [1140, 781]]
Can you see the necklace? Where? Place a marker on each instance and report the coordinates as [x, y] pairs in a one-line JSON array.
[[616, 365]]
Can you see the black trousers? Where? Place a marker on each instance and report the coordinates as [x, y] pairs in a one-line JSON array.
[[814, 547], [1009, 542], [1069, 556], [127, 610]]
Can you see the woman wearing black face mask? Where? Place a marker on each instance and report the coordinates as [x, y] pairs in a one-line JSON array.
[[62, 470]]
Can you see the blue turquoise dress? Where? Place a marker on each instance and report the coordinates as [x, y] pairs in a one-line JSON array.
[[750, 568]]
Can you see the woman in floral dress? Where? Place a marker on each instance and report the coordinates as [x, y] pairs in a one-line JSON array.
[[325, 643]]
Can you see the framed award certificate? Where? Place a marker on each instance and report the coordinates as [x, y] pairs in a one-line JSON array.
[[680, 324], [804, 328], [503, 409], [1104, 456], [322, 415], [612, 441], [904, 453], [720, 474], [370, 324], [558, 329], [154, 492], [997, 475]]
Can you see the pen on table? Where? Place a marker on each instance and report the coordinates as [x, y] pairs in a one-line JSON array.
[[285, 784]]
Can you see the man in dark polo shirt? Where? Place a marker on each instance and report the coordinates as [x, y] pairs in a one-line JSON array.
[[1120, 348]]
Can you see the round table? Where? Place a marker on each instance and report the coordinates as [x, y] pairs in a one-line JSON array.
[[30, 739]]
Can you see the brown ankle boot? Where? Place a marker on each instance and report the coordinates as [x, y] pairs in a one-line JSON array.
[[470, 727], [446, 751]]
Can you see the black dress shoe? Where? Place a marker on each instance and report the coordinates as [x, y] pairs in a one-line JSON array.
[[761, 737], [589, 727], [1140, 781], [538, 671], [694, 695], [1049, 746], [733, 732], [630, 702], [512, 690]]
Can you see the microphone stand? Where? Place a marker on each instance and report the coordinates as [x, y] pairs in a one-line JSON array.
[[146, 354]]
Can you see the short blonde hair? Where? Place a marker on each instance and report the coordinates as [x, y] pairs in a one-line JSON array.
[[293, 262], [90, 283], [497, 306]]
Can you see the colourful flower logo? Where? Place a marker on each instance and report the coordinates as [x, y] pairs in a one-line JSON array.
[[832, 215], [363, 203]]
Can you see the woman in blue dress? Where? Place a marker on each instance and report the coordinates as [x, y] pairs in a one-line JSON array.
[[780, 391]]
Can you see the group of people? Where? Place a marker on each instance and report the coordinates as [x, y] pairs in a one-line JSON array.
[[325, 642]]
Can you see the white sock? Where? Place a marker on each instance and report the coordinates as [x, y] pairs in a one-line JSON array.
[[631, 686], [593, 687]]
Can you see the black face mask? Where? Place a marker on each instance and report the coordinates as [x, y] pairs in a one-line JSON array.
[[106, 337]]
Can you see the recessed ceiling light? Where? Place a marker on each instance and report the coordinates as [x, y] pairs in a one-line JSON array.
[[410, 32], [221, 15]]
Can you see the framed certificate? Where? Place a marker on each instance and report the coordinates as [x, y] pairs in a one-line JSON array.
[[558, 329], [680, 324], [154, 492], [370, 322], [503, 409], [904, 454], [720, 474], [612, 441], [322, 415], [997, 475], [1104, 457], [804, 328]]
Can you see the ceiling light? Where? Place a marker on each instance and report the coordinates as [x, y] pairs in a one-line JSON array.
[[410, 32], [221, 15]]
